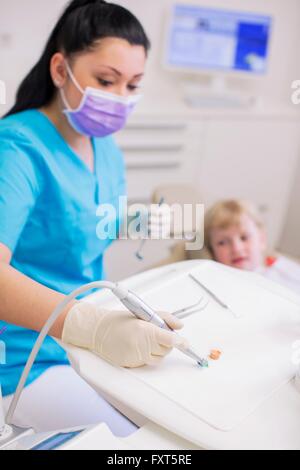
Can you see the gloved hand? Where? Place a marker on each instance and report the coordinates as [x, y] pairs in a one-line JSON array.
[[118, 336], [159, 224]]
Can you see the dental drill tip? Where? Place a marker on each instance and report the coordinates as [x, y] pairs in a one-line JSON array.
[[203, 363]]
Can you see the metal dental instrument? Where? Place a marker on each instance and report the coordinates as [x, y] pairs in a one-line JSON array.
[[138, 254], [220, 302], [213, 295], [183, 310], [186, 312], [142, 311]]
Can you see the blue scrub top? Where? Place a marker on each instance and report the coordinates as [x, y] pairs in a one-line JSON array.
[[48, 204]]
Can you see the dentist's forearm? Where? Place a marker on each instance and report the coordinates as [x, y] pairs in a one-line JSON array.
[[26, 303]]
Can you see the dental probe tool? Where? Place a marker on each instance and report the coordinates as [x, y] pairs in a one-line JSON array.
[[138, 254], [142, 311], [214, 296]]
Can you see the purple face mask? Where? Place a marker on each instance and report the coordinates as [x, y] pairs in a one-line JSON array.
[[100, 113]]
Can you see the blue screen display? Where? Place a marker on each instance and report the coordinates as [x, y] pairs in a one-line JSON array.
[[203, 38]]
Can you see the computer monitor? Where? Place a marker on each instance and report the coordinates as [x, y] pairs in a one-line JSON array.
[[210, 40]]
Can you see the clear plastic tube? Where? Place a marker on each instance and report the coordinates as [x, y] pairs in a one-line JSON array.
[[44, 332]]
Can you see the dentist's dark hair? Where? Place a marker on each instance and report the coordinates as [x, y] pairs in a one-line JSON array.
[[83, 23]]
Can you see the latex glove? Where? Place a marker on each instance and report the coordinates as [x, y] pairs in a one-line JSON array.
[[159, 224], [118, 336]]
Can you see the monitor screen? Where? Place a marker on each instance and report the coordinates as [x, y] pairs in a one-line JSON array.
[[210, 39]]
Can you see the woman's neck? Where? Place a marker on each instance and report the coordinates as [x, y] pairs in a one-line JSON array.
[[81, 144]]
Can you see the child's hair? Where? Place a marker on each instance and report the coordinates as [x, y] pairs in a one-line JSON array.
[[225, 214]]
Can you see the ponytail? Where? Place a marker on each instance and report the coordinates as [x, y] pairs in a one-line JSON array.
[[82, 24]]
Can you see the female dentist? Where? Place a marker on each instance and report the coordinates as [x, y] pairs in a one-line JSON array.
[[58, 163]]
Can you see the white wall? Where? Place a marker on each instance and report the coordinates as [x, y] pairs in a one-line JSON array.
[[24, 28], [25, 25]]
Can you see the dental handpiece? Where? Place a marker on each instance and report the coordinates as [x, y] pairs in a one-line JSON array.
[[142, 311]]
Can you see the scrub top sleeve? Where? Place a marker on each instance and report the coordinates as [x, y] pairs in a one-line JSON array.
[[19, 189]]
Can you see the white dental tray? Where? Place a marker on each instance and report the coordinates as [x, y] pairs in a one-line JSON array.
[[255, 335]]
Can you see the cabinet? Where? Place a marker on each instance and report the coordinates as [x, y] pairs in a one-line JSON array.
[[158, 151]]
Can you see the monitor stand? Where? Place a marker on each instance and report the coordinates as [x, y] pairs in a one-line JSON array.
[[216, 94]]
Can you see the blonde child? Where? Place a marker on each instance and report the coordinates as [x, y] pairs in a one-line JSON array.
[[235, 236]]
